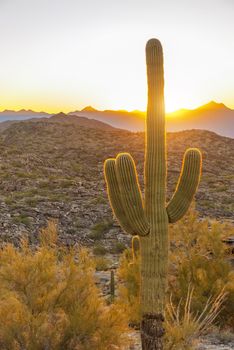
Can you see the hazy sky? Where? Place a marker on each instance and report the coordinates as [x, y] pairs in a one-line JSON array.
[[66, 54]]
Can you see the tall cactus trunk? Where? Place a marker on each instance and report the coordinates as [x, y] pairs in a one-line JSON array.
[[149, 218], [154, 258], [154, 248]]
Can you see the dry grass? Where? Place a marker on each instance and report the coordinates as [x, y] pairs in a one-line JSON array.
[[184, 327]]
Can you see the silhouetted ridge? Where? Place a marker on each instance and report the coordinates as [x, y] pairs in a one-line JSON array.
[[213, 105], [89, 109], [59, 115]]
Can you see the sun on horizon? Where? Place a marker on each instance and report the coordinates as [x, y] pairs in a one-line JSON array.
[[53, 62], [172, 110]]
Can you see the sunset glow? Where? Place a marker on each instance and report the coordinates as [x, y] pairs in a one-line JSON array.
[[64, 55]]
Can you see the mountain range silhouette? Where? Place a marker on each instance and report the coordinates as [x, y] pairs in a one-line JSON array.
[[212, 116]]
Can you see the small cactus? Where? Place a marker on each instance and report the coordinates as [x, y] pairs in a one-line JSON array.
[[148, 218], [112, 286], [135, 247]]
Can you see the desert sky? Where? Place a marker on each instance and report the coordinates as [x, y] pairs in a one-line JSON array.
[[66, 54]]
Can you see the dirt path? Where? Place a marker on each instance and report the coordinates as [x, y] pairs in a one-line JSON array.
[[215, 344], [209, 343]]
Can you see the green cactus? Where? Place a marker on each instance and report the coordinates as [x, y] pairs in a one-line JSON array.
[[112, 286], [135, 247], [149, 218]]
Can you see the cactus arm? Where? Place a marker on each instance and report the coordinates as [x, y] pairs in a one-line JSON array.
[[131, 193], [187, 185], [115, 197]]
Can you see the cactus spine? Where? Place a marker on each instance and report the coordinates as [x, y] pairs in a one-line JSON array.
[[149, 218]]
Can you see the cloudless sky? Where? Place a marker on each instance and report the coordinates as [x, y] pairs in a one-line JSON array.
[[66, 54]]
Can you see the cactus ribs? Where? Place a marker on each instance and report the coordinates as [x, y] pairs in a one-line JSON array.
[[149, 218]]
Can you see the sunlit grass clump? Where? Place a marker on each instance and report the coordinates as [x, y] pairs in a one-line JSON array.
[[49, 300], [184, 326]]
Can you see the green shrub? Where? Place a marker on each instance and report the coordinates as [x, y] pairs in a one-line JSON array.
[[49, 300], [98, 200], [99, 250], [9, 200], [101, 263], [98, 230], [118, 248], [22, 219]]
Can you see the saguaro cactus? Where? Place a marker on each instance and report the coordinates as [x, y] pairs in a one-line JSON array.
[[149, 218]]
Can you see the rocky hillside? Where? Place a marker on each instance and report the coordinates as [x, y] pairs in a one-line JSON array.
[[54, 170]]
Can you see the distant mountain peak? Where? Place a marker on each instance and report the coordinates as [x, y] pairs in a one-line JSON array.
[[213, 105], [89, 109], [22, 111], [59, 115]]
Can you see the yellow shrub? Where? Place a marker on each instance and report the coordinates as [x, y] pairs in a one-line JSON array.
[[199, 259], [129, 276], [49, 300]]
